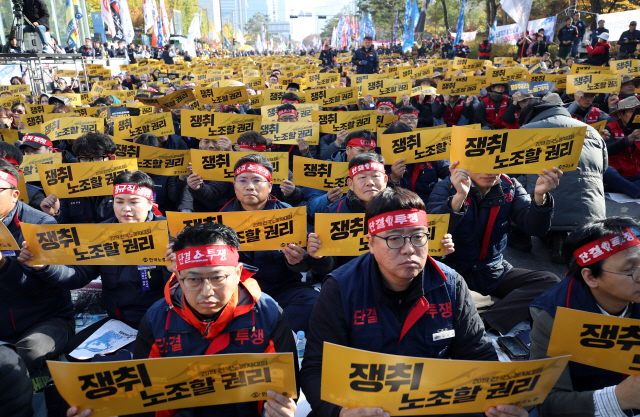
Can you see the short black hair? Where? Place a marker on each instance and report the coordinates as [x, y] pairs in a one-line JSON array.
[[385, 100], [590, 232], [11, 151], [338, 108], [364, 134], [533, 102], [94, 144], [148, 139], [392, 199], [7, 167], [397, 127], [406, 109], [255, 158], [293, 85], [231, 109], [252, 138], [206, 234], [290, 96], [134, 177], [363, 158], [100, 100]]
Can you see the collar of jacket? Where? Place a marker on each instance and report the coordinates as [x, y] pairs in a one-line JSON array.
[[354, 203], [395, 298], [8, 219], [494, 197]]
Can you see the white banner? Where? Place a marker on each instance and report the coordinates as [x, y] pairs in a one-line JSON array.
[[510, 34], [619, 22], [125, 18], [519, 10], [467, 36], [7, 72]]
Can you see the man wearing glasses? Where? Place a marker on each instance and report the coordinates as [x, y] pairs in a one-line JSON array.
[[481, 209], [628, 42]]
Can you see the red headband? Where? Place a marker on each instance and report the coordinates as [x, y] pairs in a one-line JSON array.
[[253, 147], [133, 189], [155, 90], [11, 160], [288, 111], [369, 166], [414, 112], [386, 103], [605, 247], [5, 176], [255, 168], [367, 143], [290, 102], [37, 139], [209, 255], [397, 219]]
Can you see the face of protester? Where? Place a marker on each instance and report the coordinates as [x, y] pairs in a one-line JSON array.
[[252, 190], [586, 100], [208, 300], [87, 43], [628, 88], [498, 88], [385, 109], [601, 24], [484, 181], [131, 208], [207, 145], [409, 119], [273, 80], [28, 150], [367, 184], [8, 198], [626, 115], [366, 43], [399, 266], [288, 118], [568, 22], [352, 151], [44, 100]]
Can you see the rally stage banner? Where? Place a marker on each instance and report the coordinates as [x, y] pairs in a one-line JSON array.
[[607, 342], [203, 124], [329, 97], [222, 95], [218, 165], [83, 179], [522, 151], [593, 83], [97, 244], [29, 165], [416, 147], [159, 124], [287, 133], [257, 230], [142, 386], [320, 175], [458, 88], [335, 122], [152, 160], [304, 112], [408, 386], [345, 234]]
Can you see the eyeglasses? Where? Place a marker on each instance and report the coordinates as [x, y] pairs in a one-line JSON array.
[[397, 241], [288, 119], [409, 119], [244, 183], [635, 273], [99, 158], [195, 283]]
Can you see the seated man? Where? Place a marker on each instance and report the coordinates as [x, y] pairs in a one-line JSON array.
[[209, 302], [601, 285], [12, 154], [399, 280], [453, 110], [623, 173], [481, 208], [490, 110]]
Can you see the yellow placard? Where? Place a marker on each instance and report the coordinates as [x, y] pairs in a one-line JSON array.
[[468, 64], [415, 73], [22, 187], [590, 69], [329, 97], [273, 96], [24, 89], [218, 166], [385, 120], [530, 60], [174, 383], [83, 179], [438, 62], [503, 60], [70, 127], [387, 87], [503, 75], [599, 126], [626, 67], [304, 111], [322, 80], [599, 340], [593, 83], [7, 241], [39, 108], [170, 101], [559, 79], [357, 378], [222, 95], [334, 122], [9, 135], [438, 225], [287, 133], [32, 120], [416, 147], [522, 151], [9, 102], [341, 234], [122, 95], [257, 230], [427, 90], [321, 175], [64, 73], [159, 124], [97, 244], [257, 83], [201, 124], [152, 160], [256, 101], [458, 88], [30, 162], [483, 81], [89, 111], [74, 99]]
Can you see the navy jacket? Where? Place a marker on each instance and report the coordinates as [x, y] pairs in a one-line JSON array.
[[631, 46], [123, 296], [369, 58], [25, 300], [86, 209], [568, 34], [480, 262], [421, 178]]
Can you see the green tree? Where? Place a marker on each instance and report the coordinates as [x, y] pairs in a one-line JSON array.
[[255, 25], [327, 30]]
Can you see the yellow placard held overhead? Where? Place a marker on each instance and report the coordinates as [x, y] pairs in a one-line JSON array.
[[341, 234], [97, 244], [323, 80], [31, 120], [70, 127], [458, 88], [503, 75], [329, 97], [385, 120], [288, 133], [408, 386], [304, 112], [468, 64], [152, 160], [83, 179], [39, 108], [502, 60], [599, 340], [170, 101], [415, 147], [531, 60], [626, 67], [321, 175], [30, 162], [7, 242], [24, 89], [427, 90], [9, 102], [387, 87], [590, 69], [202, 124], [335, 122], [257, 230], [222, 95], [559, 79], [593, 83], [150, 385], [273, 96], [218, 166], [522, 151], [64, 73], [159, 124]]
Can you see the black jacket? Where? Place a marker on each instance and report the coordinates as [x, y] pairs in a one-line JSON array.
[[167, 58], [326, 57], [37, 12], [567, 34], [631, 46]]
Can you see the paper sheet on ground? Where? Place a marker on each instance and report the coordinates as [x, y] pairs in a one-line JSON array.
[[110, 337]]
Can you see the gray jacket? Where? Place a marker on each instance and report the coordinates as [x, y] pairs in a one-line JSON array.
[[580, 195]]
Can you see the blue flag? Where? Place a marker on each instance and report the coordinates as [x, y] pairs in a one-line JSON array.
[[395, 29], [493, 29], [460, 26], [415, 14], [407, 28]]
